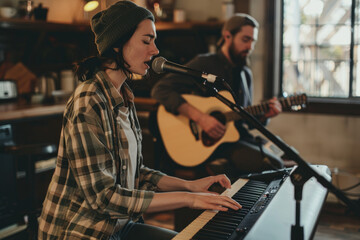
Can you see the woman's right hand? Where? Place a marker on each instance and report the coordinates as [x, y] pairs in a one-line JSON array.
[[211, 201]]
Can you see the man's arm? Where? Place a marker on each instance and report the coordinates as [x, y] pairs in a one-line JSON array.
[[168, 90], [274, 105]]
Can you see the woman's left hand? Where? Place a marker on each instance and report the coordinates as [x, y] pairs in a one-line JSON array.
[[203, 184]]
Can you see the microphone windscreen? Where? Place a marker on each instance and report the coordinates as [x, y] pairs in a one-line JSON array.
[[158, 65]]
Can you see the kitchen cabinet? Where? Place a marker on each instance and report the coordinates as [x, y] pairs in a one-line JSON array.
[[44, 46]]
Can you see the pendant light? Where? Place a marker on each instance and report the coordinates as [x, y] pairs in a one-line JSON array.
[[90, 5]]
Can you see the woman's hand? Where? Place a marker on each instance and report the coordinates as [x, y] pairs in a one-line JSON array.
[[212, 202], [204, 199], [197, 197], [203, 184]]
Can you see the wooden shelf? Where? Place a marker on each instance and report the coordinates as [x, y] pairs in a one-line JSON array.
[[162, 26], [21, 24]]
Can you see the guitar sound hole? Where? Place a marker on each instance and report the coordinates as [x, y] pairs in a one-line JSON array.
[[206, 139]]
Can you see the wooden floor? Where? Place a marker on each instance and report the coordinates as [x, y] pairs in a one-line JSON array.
[[335, 223]]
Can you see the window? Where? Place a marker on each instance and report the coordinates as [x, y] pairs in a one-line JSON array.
[[320, 52]]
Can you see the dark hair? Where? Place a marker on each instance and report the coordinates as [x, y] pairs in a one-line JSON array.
[[247, 20], [86, 68], [235, 24]]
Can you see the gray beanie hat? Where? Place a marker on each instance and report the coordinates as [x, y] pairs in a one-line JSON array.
[[113, 23]]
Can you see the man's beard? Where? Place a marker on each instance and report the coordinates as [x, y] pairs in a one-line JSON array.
[[237, 58]]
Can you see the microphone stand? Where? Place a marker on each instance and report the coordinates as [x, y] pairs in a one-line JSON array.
[[302, 173]]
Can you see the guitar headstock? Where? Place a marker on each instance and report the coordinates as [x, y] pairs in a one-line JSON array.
[[294, 103]]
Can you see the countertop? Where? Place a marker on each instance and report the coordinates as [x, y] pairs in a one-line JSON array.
[[22, 110], [16, 110]]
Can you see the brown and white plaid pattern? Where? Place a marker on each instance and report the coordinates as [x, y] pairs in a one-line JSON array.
[[87, 193]]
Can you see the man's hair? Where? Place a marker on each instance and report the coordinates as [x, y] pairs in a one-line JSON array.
[[235, 24]]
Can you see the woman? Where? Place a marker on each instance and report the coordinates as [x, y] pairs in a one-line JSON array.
[[100, 187]]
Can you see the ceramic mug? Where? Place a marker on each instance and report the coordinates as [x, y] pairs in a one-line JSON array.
[[7, 12]]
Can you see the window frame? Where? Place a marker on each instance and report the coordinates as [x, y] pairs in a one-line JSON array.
[[273, 84]]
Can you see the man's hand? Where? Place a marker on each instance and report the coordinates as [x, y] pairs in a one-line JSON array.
[[274, 108], [211, 126]]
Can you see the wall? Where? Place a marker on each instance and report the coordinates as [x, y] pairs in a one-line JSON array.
[[195, 9]]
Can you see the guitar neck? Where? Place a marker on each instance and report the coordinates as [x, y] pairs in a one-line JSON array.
[[256, 110], [294, 103]]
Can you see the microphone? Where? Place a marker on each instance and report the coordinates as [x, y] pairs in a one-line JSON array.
[[160, 65]]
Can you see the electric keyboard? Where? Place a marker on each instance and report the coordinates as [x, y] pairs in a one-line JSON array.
[[268, 210]]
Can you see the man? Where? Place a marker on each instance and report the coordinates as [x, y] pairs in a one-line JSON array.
[[239, 35]]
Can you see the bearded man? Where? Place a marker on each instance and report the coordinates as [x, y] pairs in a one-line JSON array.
[[230, 62]]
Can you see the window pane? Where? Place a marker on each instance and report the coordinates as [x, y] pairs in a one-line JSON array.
[[356, 83], [295, 74], [329, 78], [335, 79], [357, 12], [333, 34], [356, 70], [333, 52], [320, 11], [316, 47]]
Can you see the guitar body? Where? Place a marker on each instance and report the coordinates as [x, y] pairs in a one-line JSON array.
[[184, 140], [189, 146]]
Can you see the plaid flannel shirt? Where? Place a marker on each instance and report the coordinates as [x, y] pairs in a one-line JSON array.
[[88, 193]]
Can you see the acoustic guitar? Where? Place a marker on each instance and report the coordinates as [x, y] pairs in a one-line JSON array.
[[185, 141]]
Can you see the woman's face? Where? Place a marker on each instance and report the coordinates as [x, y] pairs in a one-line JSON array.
[[140, 48]]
